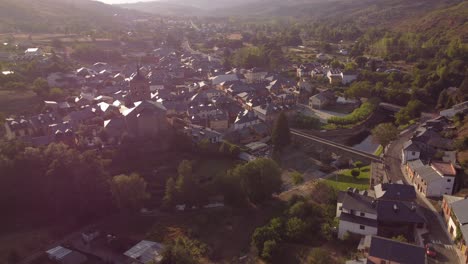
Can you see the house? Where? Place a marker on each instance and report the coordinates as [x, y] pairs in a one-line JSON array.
[[434, 180], [348, 77], [146, 252], [456, 216], [391, 212], [383, 250], [267, 112], [219, 121], [459, 108], [357, 213], [304, 85], [223, 78], [32, 53], [411, 151], [395, 192], [65, 256], [145, 118], [335, 76], [18, 128], [245, 119], [255, 75], [62, 80], [322, 99], [199, 134]]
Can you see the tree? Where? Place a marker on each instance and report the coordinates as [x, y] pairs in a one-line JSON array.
[[271, 232], [269, 248], [41, 87], [296, 228], [186, 185], [257, 180], [170, 193], [319, 256], [129, 192], [297, 178], [281, 135], [361, 61], [183, 250], [384, 134]]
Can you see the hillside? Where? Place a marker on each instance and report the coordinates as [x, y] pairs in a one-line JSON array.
[[444, 22], [365, 12], [58, 15]]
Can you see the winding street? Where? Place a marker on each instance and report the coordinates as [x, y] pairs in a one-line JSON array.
[[437, 231]]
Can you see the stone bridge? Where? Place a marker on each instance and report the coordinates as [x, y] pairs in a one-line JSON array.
[[339, 149]]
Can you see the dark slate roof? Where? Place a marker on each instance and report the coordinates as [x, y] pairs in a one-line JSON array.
[[358, 220], [399, 252], [396, 192], [460, 209], [399, 212], [358, 202]]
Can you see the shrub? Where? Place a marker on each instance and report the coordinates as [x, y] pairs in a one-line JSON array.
[[358, 115], [297, 178], [355, 173]]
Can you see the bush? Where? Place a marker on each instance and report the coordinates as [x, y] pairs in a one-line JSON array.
[[269, 248], [295, 229], [355, 173], [297, 178], [319, 256], [358, 115]]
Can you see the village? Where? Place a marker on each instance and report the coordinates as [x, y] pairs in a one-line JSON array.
[[399, 198]]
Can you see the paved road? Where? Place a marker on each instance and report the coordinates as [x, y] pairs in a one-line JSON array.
[[437, 234]]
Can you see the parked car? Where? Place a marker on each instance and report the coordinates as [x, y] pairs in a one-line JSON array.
[[430, 250]]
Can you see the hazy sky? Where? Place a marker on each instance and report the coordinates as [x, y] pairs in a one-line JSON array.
[[123, 1]]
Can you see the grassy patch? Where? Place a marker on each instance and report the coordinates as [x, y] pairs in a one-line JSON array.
[[344, 179]]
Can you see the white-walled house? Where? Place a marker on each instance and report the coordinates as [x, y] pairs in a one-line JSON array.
[[435, 180], [33, 53], [456, 217], [357, 214], [411, 151]]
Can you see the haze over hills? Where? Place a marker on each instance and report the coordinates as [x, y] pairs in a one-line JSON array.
[[48, 15]]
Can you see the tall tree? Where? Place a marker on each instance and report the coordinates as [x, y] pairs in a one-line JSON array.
[[384, 133], [186, 185], [281, 136], [257, 180], [170, 193], [129, 192]]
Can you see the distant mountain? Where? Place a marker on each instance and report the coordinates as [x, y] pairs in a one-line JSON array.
[[49, 15]]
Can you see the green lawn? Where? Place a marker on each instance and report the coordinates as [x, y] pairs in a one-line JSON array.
[[344, 180], [378, 151]]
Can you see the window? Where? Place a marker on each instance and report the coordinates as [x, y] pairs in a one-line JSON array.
[[362, 227], [413, 153], [362, 214], [340, 208], [449, 180], [383, 262]]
